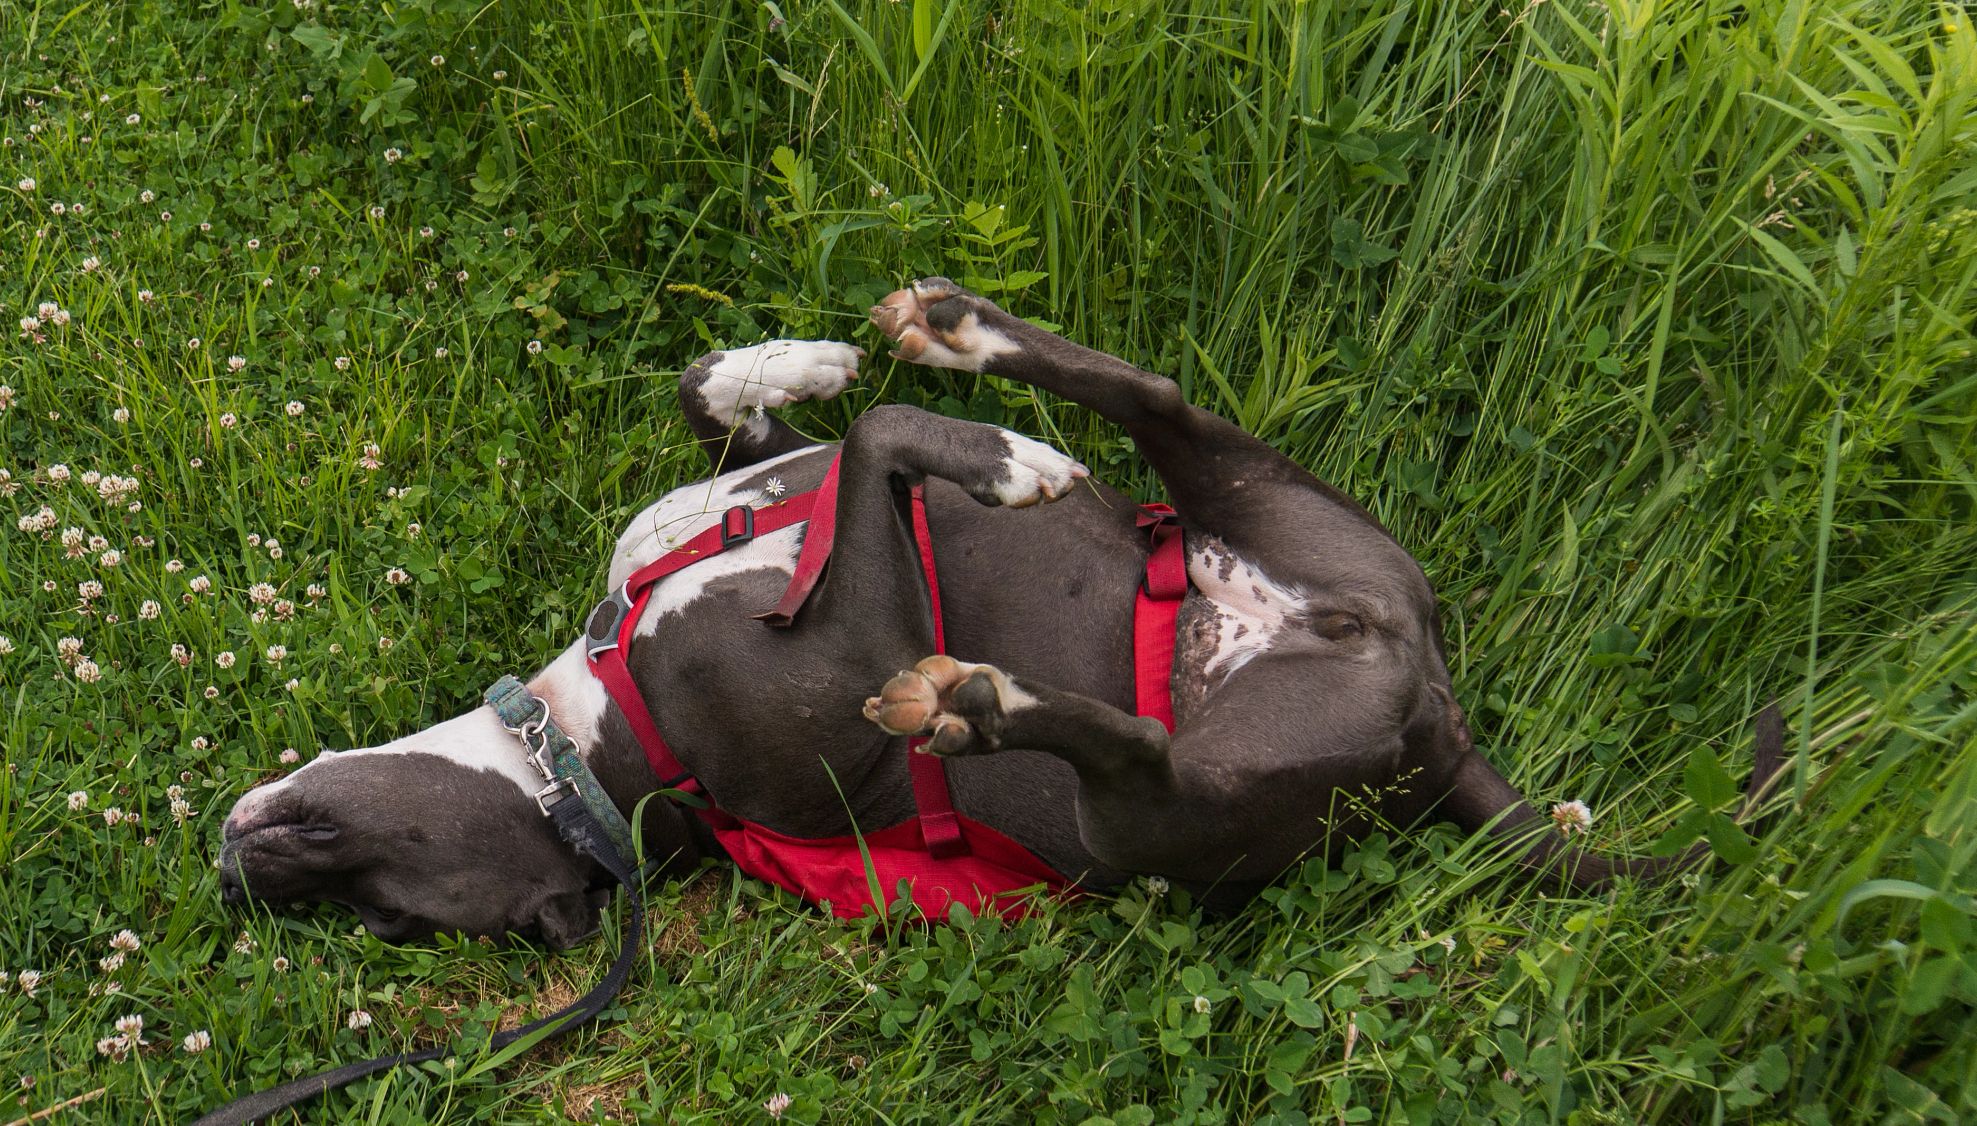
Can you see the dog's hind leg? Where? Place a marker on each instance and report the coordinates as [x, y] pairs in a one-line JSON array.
[[726, 396], [1252, 783], [1223, 480]]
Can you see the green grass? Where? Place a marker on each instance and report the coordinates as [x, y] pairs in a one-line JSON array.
[[1648, 328]]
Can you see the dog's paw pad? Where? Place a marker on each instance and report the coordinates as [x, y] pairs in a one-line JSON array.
[[734, 383], [963, 709], [937, 323], [1032, 473]]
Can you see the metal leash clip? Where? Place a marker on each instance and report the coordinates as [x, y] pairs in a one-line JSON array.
[[535, 743]]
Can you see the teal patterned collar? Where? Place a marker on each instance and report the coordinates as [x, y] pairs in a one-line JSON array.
[[558, 759]]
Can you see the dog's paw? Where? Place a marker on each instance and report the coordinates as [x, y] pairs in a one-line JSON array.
[[962, 708], [1031, 474], [937, 323], [733, 383]]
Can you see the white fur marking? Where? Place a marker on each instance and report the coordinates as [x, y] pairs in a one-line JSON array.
[[1034, 471], [1252, 607], [775, 374], [476, 741]]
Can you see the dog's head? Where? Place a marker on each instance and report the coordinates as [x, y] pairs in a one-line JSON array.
[[436, 832]]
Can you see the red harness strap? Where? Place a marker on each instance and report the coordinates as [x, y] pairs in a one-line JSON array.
[[939, 858]]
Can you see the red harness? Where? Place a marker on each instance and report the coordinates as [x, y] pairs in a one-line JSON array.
[[937, 858]]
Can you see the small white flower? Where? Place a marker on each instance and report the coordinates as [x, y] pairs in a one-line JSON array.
[[120, 416], [111, 558], [244, 944], [125, 940], [277, 654], [146, 196], [279, 964], [289, 756], [343, 363], [774, 487], [196, 1042], [392, 155], [132, 119], [358, 1020], [397, 576], [439, 353], [200, 742], [535, 347], [425, 232], [294, 408], [777, 1104], [1572, 817], [377, 211], [87, 671], [78, 800], [236, 363], [439, 60], [26, 184], [200, 584], [131, 1026], [174, 566], [90, 263], [89, 590], [149, 610], [229, 420], [1201, 1004], [181, 655], [225, 659], [262, 593], [29, 981], [1156, 885]]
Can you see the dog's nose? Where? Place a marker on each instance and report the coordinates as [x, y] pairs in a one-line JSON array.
[[233, 892]]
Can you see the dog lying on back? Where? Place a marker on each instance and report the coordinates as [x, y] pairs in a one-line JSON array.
[[1310, 698]]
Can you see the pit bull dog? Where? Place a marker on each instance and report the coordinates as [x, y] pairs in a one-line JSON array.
[[1310, 697]]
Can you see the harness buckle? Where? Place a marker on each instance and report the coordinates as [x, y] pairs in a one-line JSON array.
[[730, 538], [607, 620], [556, 785]]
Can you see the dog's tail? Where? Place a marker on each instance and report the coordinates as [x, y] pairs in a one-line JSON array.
[[1481, 798]]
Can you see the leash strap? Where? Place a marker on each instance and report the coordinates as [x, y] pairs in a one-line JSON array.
[[575, 823]]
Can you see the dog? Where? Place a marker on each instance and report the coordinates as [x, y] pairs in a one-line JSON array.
[[1309, 691]]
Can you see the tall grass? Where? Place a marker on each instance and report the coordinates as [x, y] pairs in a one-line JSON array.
[[1647, 327]]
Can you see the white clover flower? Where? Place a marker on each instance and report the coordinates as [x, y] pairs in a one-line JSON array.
[[181, 655], [181, 810], [294, 408], [132, 119], [397, 576], [111, 964], [236, 363], [146, 297], [125, 940], [358, 1020], [26, 183], [96, 543], [87, 671], [200, 742], [78, 800], [200, 584], [113, 817], [439, 60], [225, 659], [253, 244], [30, 324], [131, 1026], [228, 421], [413, 529], [29, 981], [377, 211], [120, 416], [61, 317], [392, 155], [342, 363], [1201, 1004], [146, 196], [90, 263], [439, 353], [262, 593], [58, 208], [277, 654], [196, 1042], [244, 944], [89, 590], [1572, 817], [535, 347], [58, 474], [316, 590], [174, 566], [777, 1104], [289, 756], [46, 310], [193, 343], [111, 558], [425, 232], [149, 610], [1156, 885]]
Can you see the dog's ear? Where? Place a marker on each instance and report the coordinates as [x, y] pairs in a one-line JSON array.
[[564, 919]]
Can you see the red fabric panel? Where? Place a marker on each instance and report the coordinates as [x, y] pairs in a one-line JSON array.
[[609, 667], [1156, 609], [832, 870]]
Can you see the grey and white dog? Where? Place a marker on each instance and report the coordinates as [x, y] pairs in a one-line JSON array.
[[1311, 694]]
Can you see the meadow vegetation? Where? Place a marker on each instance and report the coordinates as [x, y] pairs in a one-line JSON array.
[[338, 344]]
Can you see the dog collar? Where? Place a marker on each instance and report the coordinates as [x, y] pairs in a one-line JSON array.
[[558, 759]]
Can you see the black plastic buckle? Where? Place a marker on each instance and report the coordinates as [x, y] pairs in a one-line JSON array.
[[729, 537], [607, 619]]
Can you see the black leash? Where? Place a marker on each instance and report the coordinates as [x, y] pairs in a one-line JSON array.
[[576, 825]]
